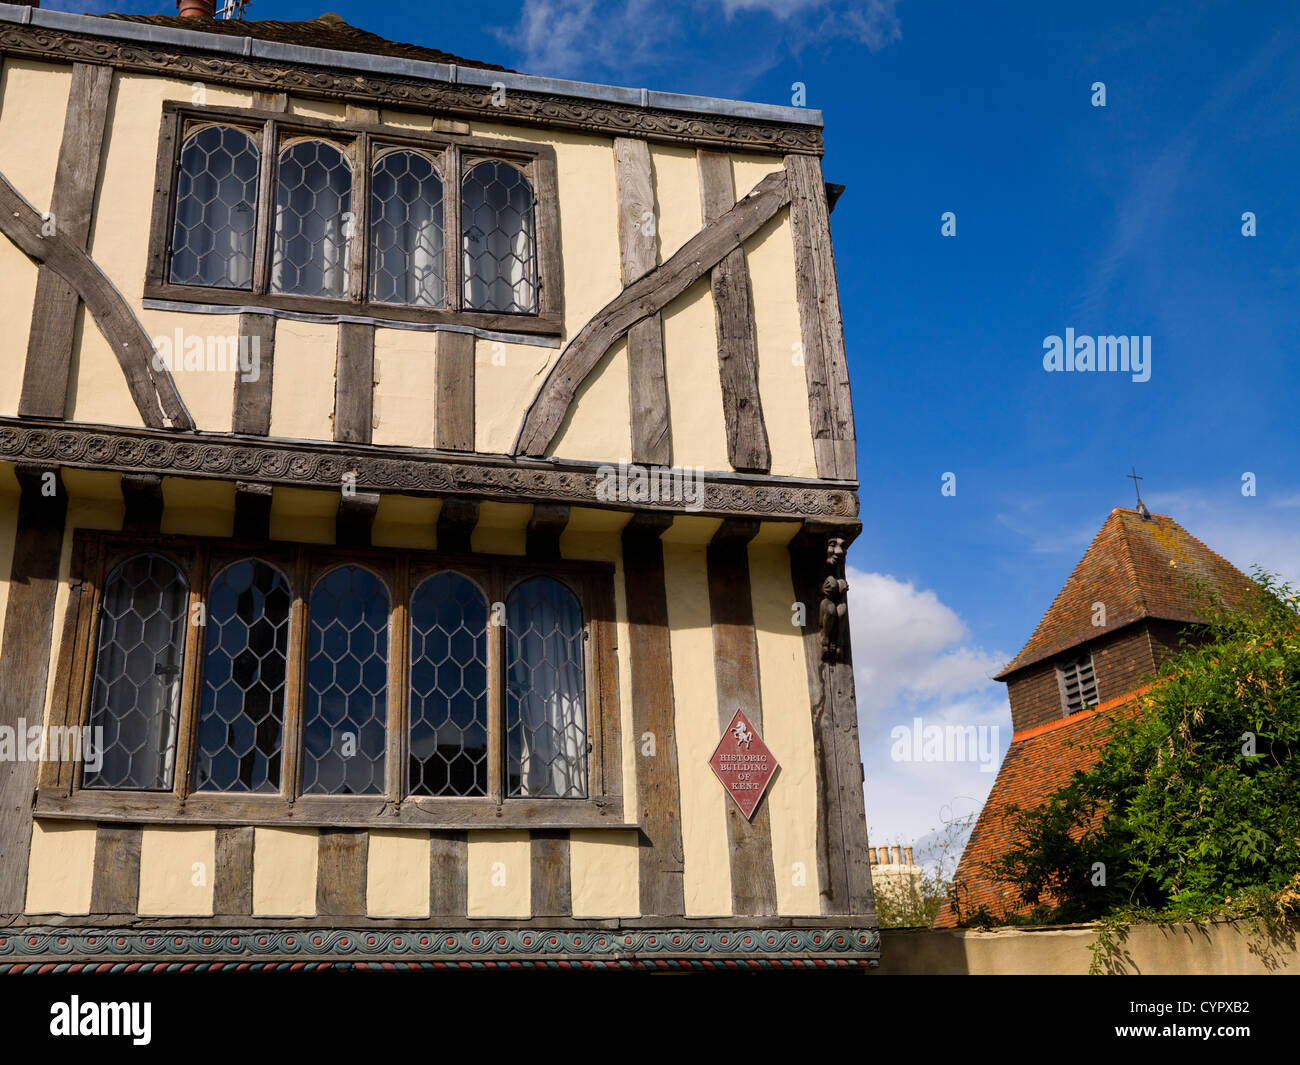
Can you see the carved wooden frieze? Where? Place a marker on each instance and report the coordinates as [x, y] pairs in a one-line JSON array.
[[533, 108], [403, 470]]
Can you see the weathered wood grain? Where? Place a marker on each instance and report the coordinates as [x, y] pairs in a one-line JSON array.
[[54, 311], [657, 778], [549, 855], [354, 383], [341, 871], [639, 254], [638, 301], [152, 389], [742, 408], [448, 874], [115, 882], [232, 888], [453, 362], [830, 401], [25, 663], [542, 536], [735, 649], [252, 405]]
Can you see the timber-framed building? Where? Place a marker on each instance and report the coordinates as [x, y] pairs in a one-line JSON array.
[[409, 470]]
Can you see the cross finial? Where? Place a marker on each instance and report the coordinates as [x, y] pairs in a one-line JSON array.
[[1141, 507]]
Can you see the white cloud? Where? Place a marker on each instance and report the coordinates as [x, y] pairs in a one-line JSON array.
[[914, 657], [577, 37], [874, 23]]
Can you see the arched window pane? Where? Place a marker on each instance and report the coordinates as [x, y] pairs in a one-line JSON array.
[[137, 683], [449, 707], [500, 247], [346, 711], [216, 189], [241, 713], [312, 199], [407, 258], [546, 713]]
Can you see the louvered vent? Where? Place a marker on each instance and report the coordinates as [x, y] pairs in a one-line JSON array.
[[1078, 682]]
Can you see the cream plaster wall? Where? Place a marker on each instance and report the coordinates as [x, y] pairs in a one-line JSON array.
[[177, 871], [397, 874], [500, 870], [61, 867], [284, 871], [604, 870]]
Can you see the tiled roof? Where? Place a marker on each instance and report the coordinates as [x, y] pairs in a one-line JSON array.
[[328, 31], [1139, 568], [1039, 761]]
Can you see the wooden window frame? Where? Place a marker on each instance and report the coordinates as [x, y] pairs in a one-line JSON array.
[[95, 554], [360, 141]]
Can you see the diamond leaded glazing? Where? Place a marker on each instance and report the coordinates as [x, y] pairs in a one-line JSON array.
[[241, 714], [499, 243], [449, 703], [312, 221], [546, 715], [407, 257], [346, 711], [212, 241], [137, 682]]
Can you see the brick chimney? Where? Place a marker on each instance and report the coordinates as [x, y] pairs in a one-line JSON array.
[[197, 8]]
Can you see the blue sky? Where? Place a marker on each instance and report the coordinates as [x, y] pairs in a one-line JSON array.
[[1123, 219]]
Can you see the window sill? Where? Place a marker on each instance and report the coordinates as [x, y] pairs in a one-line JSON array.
[[331, 811]]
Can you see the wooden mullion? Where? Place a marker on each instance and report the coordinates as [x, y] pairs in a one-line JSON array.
[[451, 228], [399, 686], [164, 195], [359, 242], [296, 680], [496, 690], [191, 674], [262, 248]]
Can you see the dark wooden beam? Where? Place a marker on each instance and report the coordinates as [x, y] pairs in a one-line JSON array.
[[456, 521], [638, 301], [341, 871], [54, 312], [143, 498], [652, 441], [542, 537], [232, 889], [25, 661], [152, 389], [252, 511], [742, 408], [453, 420], [252, 409], [549, 877], [830, 400], [735, 648], [356, 516], [115, 881], [354, 383], [649, 652], [448, 874]]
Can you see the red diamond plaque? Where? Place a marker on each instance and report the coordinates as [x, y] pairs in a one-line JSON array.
[[744, 764]]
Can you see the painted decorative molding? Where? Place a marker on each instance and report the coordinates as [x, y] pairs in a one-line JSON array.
[[533, 108], [46, 949], [382, 469]]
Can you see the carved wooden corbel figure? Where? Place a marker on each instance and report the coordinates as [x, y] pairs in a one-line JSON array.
[[834, 604]]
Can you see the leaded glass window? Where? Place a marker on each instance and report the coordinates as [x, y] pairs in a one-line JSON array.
[[346, 708], [500, 247], [312, 220], [407, 256], [245, 665], [216, 194], [136, 691], [546, 714]]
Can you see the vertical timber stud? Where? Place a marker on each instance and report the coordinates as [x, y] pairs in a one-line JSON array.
[[232, 889], [842, 853], [115, 884], [549, 854], [747, 444], [830, 402], [25, 661], [735, 649], [652, 441], [657, 782], [252, 412], [354, 383], [341, 872], [54, 313], [448, 874], [453, 419]]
